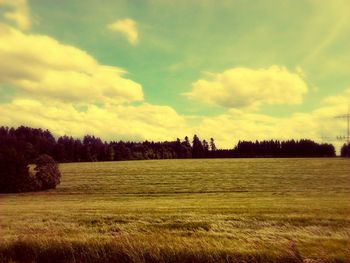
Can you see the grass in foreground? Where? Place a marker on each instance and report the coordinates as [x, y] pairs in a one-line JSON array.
[[249, 210]]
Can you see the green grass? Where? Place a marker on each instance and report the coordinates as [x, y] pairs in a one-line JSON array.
[[225, 210]]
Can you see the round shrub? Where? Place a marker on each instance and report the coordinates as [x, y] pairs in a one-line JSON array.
[[47, 172], [16, 177]]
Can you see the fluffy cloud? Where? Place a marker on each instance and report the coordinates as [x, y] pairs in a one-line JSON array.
[[236, 125], [66, 90], [127, 27], [244, 87], [19, 13], [110, 122], [319, 124], [40, 66], [153, 122], [59, 87]]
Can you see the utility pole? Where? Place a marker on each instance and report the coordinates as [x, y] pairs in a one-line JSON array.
[[347, 137], [347, 117]]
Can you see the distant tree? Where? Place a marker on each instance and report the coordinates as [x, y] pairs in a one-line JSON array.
[[197, 147], [187, 142], [212, 145], [205, 148], [110, 152], [78, 151], [179, 149], [187, 148], [42, 140], [64, 149], [14, 172], [122, 151], [94, 149], [345, 151]]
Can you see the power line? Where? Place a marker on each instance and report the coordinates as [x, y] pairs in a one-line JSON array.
[[347, 118]]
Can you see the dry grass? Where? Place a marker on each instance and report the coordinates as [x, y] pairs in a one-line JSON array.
[[249, 210]]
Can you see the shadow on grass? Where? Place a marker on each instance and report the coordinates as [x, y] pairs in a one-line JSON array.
[[127, 250], [186, 226]]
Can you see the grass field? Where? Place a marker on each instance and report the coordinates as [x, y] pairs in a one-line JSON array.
[[224, 210]]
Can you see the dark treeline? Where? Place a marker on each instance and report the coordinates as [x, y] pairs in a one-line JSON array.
[[345, 150], [32, 142]]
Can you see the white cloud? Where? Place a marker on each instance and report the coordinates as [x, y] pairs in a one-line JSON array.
[[237, 124], [244, 87], [127, 27], [153, 122], [40, 66], [53, 80], [19, 13], [110, 122]]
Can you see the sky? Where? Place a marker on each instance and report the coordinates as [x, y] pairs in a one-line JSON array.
[[162, 69]]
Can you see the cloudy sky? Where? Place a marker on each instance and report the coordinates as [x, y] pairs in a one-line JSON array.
[[161, 69]]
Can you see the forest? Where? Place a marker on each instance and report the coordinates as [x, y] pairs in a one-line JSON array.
[[32, 142]]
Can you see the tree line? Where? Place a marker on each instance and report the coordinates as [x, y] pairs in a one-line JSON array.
[[32, 142], [345, 150]]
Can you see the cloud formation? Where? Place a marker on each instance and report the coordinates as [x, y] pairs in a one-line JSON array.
[[110, 122], [154, 122], [19, 13], [40, 66], [243, 88], [127, 27], [319, 124], [64, 89]]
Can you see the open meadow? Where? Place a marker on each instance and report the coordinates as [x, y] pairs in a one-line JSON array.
[[217, 210]]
